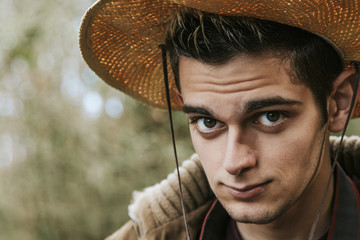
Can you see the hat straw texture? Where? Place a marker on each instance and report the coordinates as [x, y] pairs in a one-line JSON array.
[[119, 39]]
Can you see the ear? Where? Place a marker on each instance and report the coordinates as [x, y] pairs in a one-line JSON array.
[[179, 97], [340, 100]]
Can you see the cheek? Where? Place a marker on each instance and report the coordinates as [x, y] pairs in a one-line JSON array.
[[209, 152], [293, 157]]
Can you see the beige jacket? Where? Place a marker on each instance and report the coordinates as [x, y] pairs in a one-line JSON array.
[[156, 212]]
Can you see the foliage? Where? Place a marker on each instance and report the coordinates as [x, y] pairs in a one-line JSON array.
[[66, 173]]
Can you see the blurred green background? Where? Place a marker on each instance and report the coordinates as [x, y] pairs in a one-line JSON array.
[[71, 148]]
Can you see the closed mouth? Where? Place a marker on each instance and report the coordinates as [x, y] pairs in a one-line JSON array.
[[248, 187], [247, 192]]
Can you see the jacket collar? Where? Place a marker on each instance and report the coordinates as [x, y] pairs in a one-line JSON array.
[[346, 212]]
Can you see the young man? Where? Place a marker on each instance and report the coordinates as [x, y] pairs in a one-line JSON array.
[[263, 85]]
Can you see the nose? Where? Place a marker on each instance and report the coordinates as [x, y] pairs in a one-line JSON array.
[[238, 156]]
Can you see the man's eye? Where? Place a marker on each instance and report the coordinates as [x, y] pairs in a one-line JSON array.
[[270, 118], [207, 124]]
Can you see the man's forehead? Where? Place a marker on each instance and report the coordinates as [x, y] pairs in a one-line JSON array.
[[241, 86], [242, 61], [241, 72]]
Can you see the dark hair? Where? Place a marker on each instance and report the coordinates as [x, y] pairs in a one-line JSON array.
[[216, 39]]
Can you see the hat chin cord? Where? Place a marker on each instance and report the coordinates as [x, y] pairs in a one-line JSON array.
[[168, 101], [167, 95], [352, 105]]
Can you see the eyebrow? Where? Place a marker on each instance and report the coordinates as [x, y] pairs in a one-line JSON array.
[[197, 110], [268, 102], [249, 107]]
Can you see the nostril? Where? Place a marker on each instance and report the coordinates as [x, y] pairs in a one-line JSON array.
[[239, 165]]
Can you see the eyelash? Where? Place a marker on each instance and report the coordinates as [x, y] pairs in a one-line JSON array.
[[274, 128], [194, 121], [283, 114], [253, 119]]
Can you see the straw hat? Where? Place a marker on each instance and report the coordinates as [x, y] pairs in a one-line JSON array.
[[119, 39]]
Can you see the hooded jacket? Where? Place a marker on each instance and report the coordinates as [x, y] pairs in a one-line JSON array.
[[156, 212]]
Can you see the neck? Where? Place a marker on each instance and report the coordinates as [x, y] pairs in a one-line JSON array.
[[297, 221]]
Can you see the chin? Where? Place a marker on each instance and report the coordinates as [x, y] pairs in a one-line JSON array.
[[256, 215], [263, 219]]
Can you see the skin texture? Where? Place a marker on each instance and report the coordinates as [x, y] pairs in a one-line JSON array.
[[259, 138]]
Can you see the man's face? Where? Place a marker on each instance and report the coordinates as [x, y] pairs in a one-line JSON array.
[[258, 135]]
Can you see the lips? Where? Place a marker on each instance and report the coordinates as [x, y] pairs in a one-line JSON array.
[[247, 192]]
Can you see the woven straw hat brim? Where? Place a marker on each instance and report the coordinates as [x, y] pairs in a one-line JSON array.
[[119, 39]]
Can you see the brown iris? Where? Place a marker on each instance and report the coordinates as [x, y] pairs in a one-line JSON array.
[[273, 116], [209, 123]]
